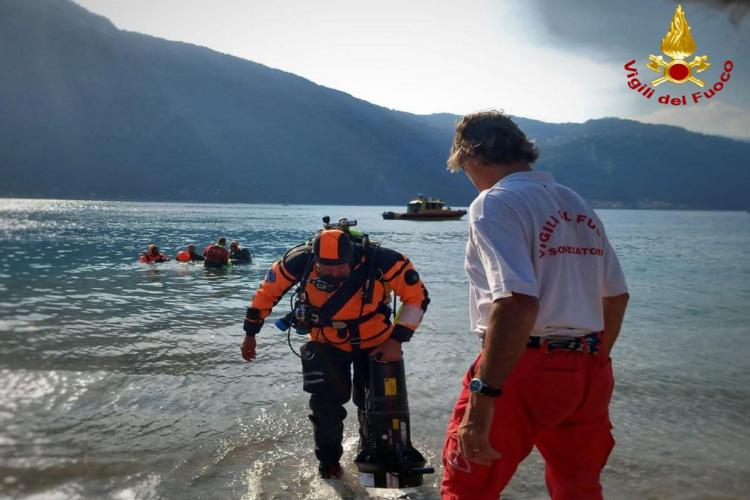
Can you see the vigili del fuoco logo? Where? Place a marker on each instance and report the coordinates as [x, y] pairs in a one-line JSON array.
[[675, 67]]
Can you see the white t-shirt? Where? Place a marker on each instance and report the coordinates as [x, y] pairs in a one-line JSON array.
[[530, 235]]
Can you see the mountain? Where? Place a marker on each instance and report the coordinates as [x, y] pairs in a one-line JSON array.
[[624, 163], [90, 111]]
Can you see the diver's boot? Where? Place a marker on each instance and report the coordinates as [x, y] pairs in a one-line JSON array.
[[330, 471]]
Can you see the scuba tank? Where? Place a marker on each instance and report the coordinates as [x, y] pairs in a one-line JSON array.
[[387, 458]]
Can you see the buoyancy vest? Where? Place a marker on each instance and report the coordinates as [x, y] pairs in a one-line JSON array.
[[341, 317], [148, 258], [216, 254]]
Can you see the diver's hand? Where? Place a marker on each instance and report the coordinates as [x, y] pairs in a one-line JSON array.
[[474, 430], [248, 348], [390, 350]]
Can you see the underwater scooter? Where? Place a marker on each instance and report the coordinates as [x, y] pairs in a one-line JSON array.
[[387, 458]]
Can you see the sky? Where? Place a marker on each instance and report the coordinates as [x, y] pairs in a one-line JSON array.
[[542, 59]]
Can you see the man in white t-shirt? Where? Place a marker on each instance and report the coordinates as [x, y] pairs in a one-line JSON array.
[[547, 296]]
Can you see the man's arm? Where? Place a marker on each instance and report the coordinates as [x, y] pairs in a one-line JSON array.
[[399, 274], [279, 279], [510, 323], [271, 289], [614, 312]]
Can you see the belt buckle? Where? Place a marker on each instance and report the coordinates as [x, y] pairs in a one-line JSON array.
[[559, 342], [587, 343], [592, 343]]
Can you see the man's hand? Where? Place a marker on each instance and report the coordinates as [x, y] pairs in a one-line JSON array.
[[474, 431], [248, 348], [390, 350], [510, 322], [614, 312]]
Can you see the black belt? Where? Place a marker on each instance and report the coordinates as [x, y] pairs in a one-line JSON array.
[[587, 343]]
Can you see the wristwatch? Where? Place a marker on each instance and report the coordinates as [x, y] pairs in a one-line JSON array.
[[479, 386]]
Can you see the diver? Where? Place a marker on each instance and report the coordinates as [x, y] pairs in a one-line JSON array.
[[239, 255], [153, 255], [342, 303], [216, 255]]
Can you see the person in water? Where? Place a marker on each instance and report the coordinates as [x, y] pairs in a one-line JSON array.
[[216, 255], [194, 256], [345, 308], [238, 254], [153, 255]]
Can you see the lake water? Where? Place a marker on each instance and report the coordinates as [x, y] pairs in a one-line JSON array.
[[122, 380]]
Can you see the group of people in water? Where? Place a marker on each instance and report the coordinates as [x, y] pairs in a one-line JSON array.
[[215, 255]]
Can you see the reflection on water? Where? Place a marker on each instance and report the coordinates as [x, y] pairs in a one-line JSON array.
[[124, 380]]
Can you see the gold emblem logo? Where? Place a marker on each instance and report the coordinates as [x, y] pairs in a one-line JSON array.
[[678, 44]]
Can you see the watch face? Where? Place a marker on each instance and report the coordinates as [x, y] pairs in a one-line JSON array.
[[475, 385]]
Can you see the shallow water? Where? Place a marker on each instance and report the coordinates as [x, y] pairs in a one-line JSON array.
[[124, 380]]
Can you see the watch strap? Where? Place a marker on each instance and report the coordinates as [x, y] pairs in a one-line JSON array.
[[485, 389]]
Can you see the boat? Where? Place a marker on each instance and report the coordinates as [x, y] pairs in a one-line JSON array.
[[424, 208]]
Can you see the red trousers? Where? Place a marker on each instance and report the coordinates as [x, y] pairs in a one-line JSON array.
[[558, 402]]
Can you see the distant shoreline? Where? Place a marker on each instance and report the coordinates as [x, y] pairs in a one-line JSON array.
[[601, 205]]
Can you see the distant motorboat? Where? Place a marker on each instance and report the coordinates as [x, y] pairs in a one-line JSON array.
[[424, 208]]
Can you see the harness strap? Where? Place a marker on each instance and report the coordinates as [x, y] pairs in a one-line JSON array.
[[352, 285], [348, 330], [382, 309], [361, 279]]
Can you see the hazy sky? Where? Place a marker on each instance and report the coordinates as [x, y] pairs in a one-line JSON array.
[[548, 60]]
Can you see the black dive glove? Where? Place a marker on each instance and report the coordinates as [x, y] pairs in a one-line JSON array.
[[402, 333], [253, 322]]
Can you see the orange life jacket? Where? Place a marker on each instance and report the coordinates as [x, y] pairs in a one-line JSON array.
[[216, 254], [149, 258]]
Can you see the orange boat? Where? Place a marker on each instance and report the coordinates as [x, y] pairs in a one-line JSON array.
[[424, 208]]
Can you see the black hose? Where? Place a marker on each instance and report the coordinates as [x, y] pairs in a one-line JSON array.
[[289, 330]]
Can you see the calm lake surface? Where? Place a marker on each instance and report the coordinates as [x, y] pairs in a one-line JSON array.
[[122, 380]]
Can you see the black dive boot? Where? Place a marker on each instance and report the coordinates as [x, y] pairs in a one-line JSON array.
[[330, 471]]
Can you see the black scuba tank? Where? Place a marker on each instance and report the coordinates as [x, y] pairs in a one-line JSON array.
[[387, 458]]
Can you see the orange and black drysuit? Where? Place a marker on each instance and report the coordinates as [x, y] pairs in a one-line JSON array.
[[345, 325]]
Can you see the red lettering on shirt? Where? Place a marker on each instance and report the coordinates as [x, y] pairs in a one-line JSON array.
[[598, 252], [548, 228]]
